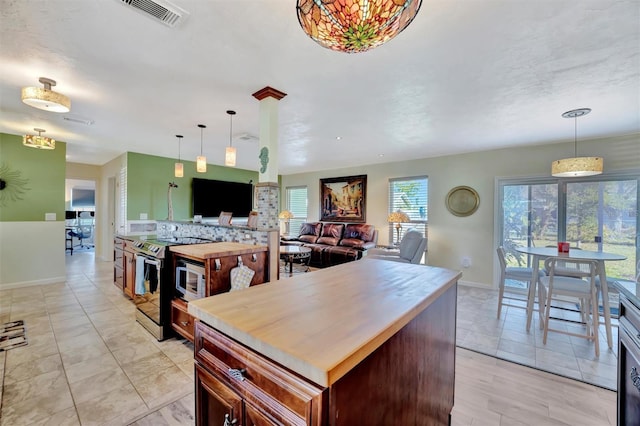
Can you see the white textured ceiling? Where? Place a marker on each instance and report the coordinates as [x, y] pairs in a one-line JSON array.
[[464, 76]]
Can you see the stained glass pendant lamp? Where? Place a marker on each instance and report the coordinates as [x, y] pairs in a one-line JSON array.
[[201, 160], [179, 167], [39, 141], [230, 152], [45, 98], [354, 26], [577, 166]]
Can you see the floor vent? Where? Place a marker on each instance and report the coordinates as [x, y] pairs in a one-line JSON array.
[[161, 10]]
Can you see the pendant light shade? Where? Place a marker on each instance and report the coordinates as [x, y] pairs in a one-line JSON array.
[[577, 166], [355, 26], [45, 98], [179, 167], [230, 152], [201, 160], [39, 141]]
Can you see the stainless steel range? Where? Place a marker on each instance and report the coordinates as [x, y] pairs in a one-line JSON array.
[[154, 281]]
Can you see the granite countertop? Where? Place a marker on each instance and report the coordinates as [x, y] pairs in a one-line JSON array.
[[322, 324]]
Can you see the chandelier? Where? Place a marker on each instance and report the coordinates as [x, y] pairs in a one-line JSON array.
[[45, 98], [354, 26], [577, 166], [39, 141]]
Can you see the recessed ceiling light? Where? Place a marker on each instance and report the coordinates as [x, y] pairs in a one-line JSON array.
[[338, 138]]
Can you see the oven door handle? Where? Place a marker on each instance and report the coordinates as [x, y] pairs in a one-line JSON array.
[[152, 261]]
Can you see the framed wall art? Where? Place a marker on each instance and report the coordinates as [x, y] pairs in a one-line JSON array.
[[343, 199]]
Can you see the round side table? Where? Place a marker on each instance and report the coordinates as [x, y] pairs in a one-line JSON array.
[[291, 253]]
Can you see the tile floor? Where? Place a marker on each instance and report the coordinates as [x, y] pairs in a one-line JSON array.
[[479, 329], [88, 362]]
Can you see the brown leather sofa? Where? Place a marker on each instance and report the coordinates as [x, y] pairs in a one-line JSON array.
[[335, 243]]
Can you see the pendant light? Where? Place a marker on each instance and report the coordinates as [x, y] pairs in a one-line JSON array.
[[201, 160], [577, 166], [46, 99], [230, 152], [179, 167], [39, 141]]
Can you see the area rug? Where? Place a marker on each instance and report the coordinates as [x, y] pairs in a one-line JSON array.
[[12, 335]]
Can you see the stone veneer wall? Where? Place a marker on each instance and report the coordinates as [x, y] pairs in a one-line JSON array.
[[237, 234], [268, 205]]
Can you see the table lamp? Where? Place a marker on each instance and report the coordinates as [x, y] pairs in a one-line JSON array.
[[285, 216], [398, 217]]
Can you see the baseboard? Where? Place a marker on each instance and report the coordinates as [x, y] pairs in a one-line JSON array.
[[475, 284], [54, 280]]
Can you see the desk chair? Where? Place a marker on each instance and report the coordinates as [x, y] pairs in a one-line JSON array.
[[84, 229]]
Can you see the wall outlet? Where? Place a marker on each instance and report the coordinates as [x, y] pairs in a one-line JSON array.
[[466, 262], [50, 216], [144, 216]]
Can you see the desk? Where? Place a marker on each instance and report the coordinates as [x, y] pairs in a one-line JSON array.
[[291, 253], [541, 253]]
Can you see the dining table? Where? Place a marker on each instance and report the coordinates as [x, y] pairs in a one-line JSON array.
[[541, 253]]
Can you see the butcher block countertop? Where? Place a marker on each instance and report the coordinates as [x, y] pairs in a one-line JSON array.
[[210, 250], [322, 324]]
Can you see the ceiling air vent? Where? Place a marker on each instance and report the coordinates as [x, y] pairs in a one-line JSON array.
[[161, 10]]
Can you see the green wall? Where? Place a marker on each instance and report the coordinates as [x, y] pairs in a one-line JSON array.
[[148, 178], [44, 171]]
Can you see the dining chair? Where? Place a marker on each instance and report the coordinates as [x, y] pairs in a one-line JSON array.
[[571, 284], [511, 273]]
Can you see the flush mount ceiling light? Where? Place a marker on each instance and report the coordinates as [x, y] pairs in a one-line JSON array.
[[179, 167], [230, 152], [577, 166], [45, 98], [201, 160], [39, 141], [354, 26]]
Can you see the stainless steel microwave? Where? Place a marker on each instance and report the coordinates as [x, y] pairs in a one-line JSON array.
[[190, 281]]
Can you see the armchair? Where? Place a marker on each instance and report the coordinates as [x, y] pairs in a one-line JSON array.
[[412, 247]]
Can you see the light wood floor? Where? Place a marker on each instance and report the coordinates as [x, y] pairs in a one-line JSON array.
[[490, 391]]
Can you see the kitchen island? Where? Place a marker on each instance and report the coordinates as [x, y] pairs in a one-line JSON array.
[[368, 342]]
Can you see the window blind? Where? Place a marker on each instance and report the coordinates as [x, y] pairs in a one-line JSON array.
[[409, 195], [296, 203]]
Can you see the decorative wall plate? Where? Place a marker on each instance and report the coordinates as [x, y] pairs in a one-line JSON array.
[[462, 201]]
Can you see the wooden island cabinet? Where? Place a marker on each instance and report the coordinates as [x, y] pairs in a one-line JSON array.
[[370, 342], [217, 260]]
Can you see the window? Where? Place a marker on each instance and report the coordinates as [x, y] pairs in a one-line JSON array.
[[410, 195], [541, 212], [296, 203]]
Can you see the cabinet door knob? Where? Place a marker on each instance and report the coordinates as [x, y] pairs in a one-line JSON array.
[[228, 421], [237, 374], [183, 323]]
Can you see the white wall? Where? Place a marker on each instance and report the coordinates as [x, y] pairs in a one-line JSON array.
[[31, 253], [105, 194], [452, 237]]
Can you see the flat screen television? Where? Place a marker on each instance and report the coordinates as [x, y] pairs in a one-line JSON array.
[[210, 197]]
